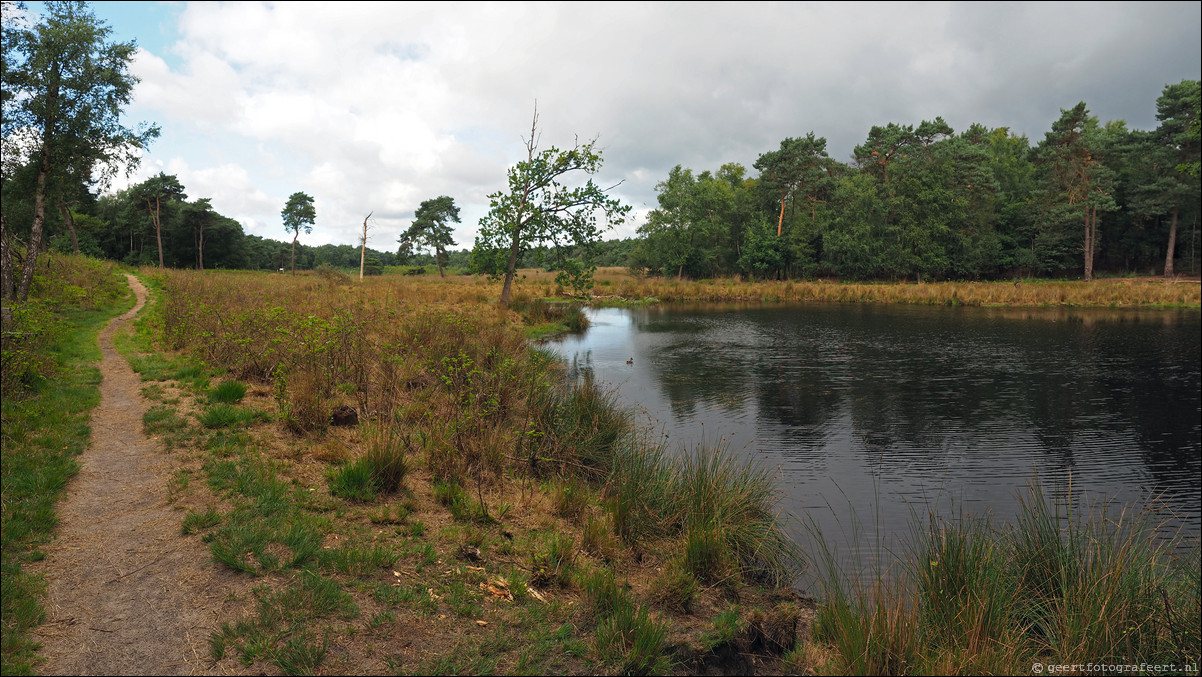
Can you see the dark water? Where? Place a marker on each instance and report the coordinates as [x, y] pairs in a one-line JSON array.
[[869, 414]]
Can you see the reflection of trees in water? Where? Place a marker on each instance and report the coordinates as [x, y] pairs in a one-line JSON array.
[[800, 395], [1160, 401], [691, 378], [581, 367], [915, 383], [916, 379], [700, 364]]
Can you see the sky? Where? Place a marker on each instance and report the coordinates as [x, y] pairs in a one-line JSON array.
[[378, 106]]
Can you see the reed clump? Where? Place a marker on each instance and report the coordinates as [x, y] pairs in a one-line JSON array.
[[1053, 588]]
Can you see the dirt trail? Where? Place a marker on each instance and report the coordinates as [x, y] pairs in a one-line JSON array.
[[127, 595]]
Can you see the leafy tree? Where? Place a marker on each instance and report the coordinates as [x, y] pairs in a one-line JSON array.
[[298, 214], [198, 216], [575, 274], [667, 231], [853, 247], [539, 209], [156, 192], [700, 225], [763, 255], [431, 228], [1014, 177], [1078, 181], [1177, 111], [884, 146], [799, 166], [64, 87]]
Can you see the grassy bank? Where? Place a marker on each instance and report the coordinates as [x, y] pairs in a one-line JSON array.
[[482, 515], [50, 385], [614, 285], [1052, 589]]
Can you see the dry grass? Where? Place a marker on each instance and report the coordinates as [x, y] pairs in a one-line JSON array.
[[518, 501], [466, 507], [614, 283]]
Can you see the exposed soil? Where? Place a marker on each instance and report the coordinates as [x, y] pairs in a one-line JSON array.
[[125, 593]]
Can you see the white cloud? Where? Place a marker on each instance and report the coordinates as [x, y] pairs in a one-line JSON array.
[[378, 106]]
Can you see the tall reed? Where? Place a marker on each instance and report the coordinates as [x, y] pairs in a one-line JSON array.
[[1052, 588]]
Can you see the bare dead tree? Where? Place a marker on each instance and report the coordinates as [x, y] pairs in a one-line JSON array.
[[363, 245]]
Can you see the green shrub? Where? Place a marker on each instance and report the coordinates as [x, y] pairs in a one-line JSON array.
[[24, 354]]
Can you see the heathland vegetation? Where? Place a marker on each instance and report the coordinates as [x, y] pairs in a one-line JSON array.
[[516, 522], [412, 487]]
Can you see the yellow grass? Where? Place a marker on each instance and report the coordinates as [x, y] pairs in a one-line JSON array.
[[616, 284]]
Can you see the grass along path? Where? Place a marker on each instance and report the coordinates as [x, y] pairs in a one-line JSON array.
[[125, 594]]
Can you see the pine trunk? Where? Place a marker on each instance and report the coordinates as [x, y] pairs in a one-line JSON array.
[[1172, 249]]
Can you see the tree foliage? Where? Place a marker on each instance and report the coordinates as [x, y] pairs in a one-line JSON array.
[[539, 209], [431, 229], [922, 201], [156, 193], [64, 88], [298, 215]]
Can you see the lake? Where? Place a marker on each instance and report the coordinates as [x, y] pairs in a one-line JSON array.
[[869, 415]]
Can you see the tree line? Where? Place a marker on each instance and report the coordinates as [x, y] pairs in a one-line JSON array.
[[925, 202], [155, 223], [915, 202]]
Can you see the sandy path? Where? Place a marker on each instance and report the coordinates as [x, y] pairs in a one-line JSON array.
[[127, 594]]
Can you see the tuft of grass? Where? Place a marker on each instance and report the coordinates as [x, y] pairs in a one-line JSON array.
[[227, 392], [553, 561], [279, 630], [597, 538], [161, 419], [728, 512], [675, 589], [385, 457], [199, 521], [706, 555], [221, 415], [1050, 588], [602, 591], [355, 560], [725, 629], [354, 481], [633, 640], [570, 499]]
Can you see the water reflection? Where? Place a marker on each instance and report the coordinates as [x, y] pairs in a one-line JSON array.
[[872, 414]]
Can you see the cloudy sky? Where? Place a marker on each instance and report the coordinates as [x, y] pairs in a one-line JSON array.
[[377, 106]]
